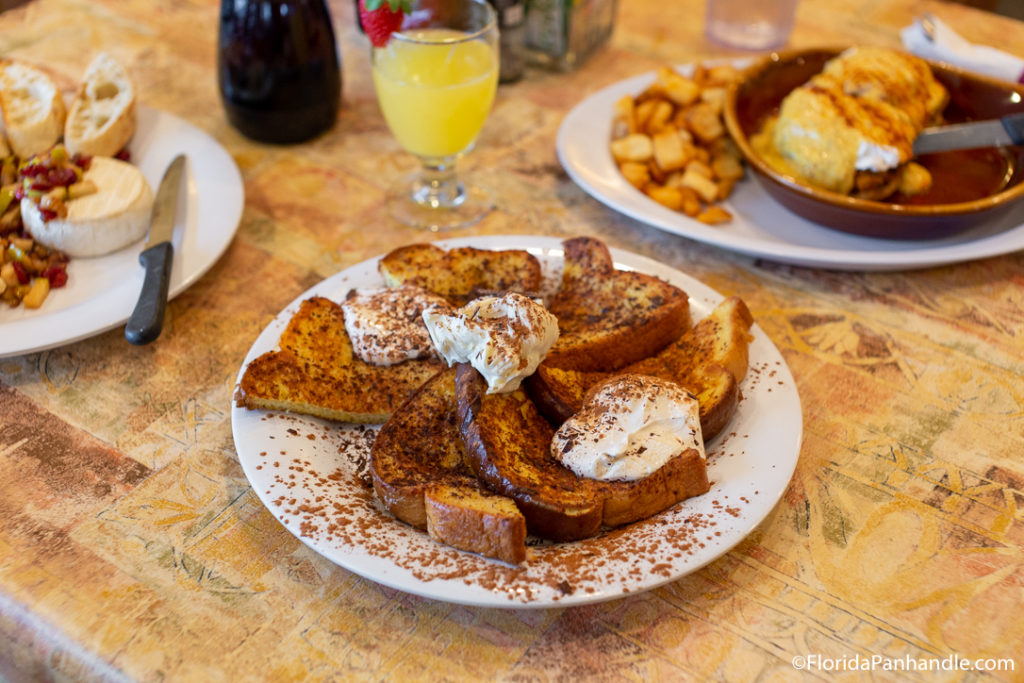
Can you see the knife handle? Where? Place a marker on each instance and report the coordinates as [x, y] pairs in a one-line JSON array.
[[1014, 125], [147, 320]]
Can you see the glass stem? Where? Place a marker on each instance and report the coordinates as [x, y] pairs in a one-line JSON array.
[[438, 187]]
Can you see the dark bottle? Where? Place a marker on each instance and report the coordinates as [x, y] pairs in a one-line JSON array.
[[278, 68]]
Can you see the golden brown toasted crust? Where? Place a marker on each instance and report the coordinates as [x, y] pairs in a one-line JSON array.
[[418, 447], [508, 443], [468, 517], [682, 477], [316, 373], [709, 361], [558, 392], [462, 273], [509, 446], [609, 318], [722, 339]]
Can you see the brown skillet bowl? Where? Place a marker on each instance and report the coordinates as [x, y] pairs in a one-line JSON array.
[[969, 186]]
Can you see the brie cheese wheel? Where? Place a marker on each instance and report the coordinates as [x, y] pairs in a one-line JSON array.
[[109, 219]]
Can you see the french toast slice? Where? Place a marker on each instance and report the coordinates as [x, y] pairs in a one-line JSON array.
[[463, 273], [421, 474], [315, 372], [508, 443], [709, 360], [469, 517], [418, 447], [609, 318]]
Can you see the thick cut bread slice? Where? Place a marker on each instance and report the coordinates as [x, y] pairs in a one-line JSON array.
[[609, 318], [509, 445], [419, 446], [33, 110], [111, 218], [421, 474], [722, 338], [101, 119], [461, 274], [469, 517], [709, 361], [316, 373]]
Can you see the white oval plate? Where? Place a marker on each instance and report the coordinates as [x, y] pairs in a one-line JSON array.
[[312, 476], [102, 291], [760, 226]]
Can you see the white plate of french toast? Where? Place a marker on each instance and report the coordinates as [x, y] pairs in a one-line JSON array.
[[516, 421], [79, 205]]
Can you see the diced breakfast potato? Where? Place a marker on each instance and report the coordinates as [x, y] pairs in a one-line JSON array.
[[715, 97], [669, 152], [705, 122], [636, 173], [666, 195], [635, 147], [727, 167], [678, 89], [691, 200], [713, 215], [671, 143], [701, 184]]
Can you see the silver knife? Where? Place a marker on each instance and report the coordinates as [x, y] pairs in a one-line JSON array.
[[1008, 130], [147, 320]]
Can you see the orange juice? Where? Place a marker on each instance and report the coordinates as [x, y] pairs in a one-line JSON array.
[[435, 90]]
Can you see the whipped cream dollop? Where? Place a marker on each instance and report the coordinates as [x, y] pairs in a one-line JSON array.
[[386, 324], [874, 157], [629, 428], [504, 337]]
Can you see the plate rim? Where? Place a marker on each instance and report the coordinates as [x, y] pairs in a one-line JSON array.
[[706, 296], [217, 223], [590, 119]]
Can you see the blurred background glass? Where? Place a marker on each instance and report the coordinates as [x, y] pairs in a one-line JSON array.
[[750, 24]]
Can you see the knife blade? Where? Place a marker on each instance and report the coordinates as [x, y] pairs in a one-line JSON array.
[[147, 319], [1009, 130]]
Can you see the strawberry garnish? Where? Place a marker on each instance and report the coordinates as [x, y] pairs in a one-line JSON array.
[[381, 18]]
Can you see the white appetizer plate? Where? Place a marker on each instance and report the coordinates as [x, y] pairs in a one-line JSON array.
[[312, 475], [102, 291], [760, 227]]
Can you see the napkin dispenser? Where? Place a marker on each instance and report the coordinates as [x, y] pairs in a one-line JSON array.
[[561, 34]]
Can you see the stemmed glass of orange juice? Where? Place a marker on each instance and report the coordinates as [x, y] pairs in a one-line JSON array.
[[435, 81]]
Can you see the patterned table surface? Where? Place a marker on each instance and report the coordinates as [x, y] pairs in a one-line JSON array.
[[133, 547]]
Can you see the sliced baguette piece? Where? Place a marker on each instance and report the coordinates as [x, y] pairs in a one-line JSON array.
[[111, 218], [463, 273], [33, 109], [101, 119], [609, 318], [469, 517], [316, 372], [709, 360]]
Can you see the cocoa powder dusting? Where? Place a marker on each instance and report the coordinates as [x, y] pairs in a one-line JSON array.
[[322, 490]]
